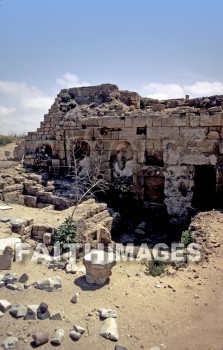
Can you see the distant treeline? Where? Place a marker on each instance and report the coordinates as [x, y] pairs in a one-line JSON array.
[[4, 140]]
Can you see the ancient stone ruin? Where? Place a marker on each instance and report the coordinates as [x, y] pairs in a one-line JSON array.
[[164, 154]]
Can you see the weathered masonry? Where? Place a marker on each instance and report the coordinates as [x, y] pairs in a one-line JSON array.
[[165, 153]]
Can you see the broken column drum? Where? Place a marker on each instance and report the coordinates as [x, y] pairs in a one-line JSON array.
[[98, 266]]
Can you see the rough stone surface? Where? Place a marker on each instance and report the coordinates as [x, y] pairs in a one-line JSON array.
[[57, 316], [40, 338], [106, 313], [9, 342], [109, 329], [75, 335], [23, 278], [18, 310], [50, 284], [4, 305], [98, 266], [57, 337], [74, 299], [79, 329], [42, 312], [143, 139], [31, 313]]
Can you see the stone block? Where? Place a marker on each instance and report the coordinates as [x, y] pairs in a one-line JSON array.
[[128, 122], [213, 135], [193, 133], [194, 120], [30, 201], [176, 120], [157, 121], [210, 120]]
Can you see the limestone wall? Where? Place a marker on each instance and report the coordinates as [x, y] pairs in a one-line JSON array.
[[148, 148]]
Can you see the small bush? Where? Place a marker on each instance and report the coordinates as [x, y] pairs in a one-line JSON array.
[[155, 268], [66, 234], [186, 237]]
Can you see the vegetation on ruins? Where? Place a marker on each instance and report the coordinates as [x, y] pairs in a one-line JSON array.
[[155, 268], [87, 172], [186, 237], [66, 234]]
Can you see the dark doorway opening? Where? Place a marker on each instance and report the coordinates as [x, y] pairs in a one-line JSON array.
[[204, 197]]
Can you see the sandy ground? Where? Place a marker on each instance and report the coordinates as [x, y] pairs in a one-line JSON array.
[[191, 317], [187, 316]]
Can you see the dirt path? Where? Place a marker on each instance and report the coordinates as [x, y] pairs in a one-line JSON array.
[[187, 316]]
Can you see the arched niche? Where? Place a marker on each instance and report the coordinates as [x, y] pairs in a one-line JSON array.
[[121, 162]]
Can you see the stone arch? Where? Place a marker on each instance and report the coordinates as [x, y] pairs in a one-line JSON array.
[[45, 149], [121, 162], [79, 154]]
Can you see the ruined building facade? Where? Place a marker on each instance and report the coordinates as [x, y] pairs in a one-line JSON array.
[[164, 153]]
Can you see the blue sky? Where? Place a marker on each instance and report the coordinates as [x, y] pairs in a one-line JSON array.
[[159, 48]]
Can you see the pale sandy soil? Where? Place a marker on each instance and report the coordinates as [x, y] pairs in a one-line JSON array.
[[189, 318]]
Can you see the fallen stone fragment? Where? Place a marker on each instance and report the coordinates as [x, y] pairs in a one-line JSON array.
[[118, 347], [1, 314], [1, 276], [18, 310], [60, 265], [9, 342], [49, 284], [17, 286], [4, 305], [71, 268], [10, 278], [23, 278], [5, 220], [79, 329], [42, 312], [57, 316], [2, 284], [31, 313], [107, 313], [40, 338], [109, 329], [75, 335], [57, 337], [74, 299], [28, 284]]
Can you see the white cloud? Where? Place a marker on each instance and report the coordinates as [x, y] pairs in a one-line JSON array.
[[69, 80], [5, 111], [167, 91], [21, 107]]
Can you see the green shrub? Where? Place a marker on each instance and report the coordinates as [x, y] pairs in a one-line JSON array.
[[186, 237], [155, 268], [66, 234]]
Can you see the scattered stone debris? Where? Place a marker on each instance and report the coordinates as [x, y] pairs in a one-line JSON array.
[[109, 329], [49, 284], [57, 337], [23, 278], [9, 342], [40, 338], [42, 312], [75, 335], [107, 313], [57, 316], [4, 305], [74, 299], [18, 311], [31, 312]]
